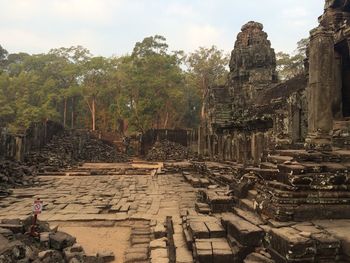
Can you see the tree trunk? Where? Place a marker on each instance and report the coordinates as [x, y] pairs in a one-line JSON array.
[[166, 120], [65, 113], [93, 112], [72, 116], [203, 128]]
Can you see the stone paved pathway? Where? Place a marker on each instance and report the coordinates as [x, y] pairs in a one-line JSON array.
[[113, 197], [109, 193]]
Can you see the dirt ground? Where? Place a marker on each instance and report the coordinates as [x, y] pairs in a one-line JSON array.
[[97, 239]]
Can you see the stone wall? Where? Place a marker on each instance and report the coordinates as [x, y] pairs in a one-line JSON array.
[[15, 146]]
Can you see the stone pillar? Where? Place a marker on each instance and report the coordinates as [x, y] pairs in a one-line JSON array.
[[257, 147], [337, 107], [320, 90], [221, 147], [201, 140], [19, 155], [210, 152]]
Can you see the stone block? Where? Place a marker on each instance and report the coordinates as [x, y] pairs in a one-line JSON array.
[[135, 257], [242, 230], [106, 256], [222, 252], [61, 240], [158, 243], [198, 230], [288, 243], [160, 231], [215, 230], [159, 253], [203, 251]]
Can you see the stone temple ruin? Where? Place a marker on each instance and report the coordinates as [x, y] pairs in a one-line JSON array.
[[293, 134], [270, 183]]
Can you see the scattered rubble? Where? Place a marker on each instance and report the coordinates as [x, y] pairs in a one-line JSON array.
[[13, 173], [166, 150], [65, 150], [69, 149], [17, 245]]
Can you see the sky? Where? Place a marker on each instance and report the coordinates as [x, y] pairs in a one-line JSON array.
[[112, 27]]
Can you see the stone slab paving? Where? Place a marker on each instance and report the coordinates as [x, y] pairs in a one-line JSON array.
[[76, 196], [103, 197]]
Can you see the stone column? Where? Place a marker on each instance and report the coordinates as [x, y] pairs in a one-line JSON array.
[[257, 147], [220, 147], [201, 140], [320, 90]]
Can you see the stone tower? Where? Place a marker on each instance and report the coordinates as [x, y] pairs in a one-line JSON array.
[[252, 65]]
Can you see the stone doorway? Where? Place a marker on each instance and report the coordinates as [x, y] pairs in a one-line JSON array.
[[341, 105]]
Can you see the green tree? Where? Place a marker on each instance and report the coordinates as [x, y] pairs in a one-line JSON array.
[[207, 67], [289, 66], [68, 70], [3, 57], [3, 53], [97, 70], [152, 84], [146, 89], [7, 109]]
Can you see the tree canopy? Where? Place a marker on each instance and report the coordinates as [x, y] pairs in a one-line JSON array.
[[152, 87], [289, 66]]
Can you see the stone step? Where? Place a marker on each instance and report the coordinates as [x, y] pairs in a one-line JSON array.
[[242, 230], [335, 156], [202, 208], [291, 168], [266, 174], [247, 205], [267, 165], [212, 250], [249, 216], [279, 159], [252, 194]]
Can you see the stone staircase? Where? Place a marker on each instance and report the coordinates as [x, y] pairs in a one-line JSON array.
[[306, 185], [274, 196]]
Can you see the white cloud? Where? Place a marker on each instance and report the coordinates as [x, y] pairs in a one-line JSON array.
[[86, 10], [109, 26], [296, 12], [14, 38], [178, 9], [19, 10], [39, 43], [92, 11], [202, 35]]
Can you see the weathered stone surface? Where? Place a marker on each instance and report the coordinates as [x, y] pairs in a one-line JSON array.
[[158, 243], [258, 258], [159, 253], [291, 244], [106, 256], [167, 150], [159, 231], [51, 256], [252, 65], [61, 240], [135, 257], [198, 230], [242, 230]]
